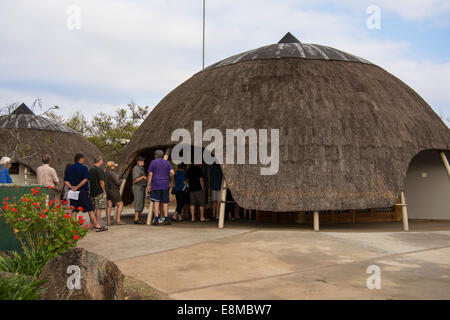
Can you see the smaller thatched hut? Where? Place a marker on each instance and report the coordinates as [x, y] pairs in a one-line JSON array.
[[26, 137]]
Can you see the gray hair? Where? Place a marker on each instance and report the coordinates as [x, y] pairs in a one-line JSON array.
[[46, 159], [5, 161], [159, 154], [98, 158]]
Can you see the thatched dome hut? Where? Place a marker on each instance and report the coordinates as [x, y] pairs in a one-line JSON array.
[[348, 128], [26, 137]]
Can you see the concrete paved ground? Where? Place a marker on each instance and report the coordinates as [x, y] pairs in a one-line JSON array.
[[247, 260]]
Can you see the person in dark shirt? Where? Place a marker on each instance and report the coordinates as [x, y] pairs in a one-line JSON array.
[[76, 178], [196, 183], [180, 190], [98, 187], [216, 187]]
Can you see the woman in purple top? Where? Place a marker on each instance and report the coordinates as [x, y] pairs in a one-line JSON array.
[[159, 174]]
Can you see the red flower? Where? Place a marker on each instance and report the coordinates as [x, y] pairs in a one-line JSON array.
[[43, 216], [14, 210], [80, 208], [6, 199], [20, 219], [50, 187], [66, 202], [76, 237], [35, 204], [6, 207]]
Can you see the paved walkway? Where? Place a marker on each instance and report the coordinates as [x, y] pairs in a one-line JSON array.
[[247, 260]]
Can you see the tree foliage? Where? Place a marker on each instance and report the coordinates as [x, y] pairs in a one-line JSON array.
[[108, 131]]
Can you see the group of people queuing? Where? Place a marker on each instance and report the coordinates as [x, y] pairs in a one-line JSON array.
[[93, 190], [189, 188]]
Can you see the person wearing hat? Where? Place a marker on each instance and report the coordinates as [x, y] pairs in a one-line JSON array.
[[139, 188], [113, 183]]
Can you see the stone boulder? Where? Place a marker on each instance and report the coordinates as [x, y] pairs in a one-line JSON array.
[[81, 275]]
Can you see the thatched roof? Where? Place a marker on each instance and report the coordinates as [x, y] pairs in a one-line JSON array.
[[23, 118], [348, 129], [26, 138]]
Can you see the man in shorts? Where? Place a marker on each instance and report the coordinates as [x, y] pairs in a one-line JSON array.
[[76, 178], [159, 174], [196, 191], [97, 187]]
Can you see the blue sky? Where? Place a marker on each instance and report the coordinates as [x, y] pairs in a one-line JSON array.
[[141, 50]]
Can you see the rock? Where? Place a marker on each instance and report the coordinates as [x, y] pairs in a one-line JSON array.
[[100, 279]]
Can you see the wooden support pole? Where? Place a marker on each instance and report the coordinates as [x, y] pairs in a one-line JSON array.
[[445, 161], [167, 153], [404, 212], [124, 182], [223, 199], [316, 221]]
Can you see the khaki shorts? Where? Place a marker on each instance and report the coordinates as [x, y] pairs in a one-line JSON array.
[[197, 198], [100, 201], [215, 195]]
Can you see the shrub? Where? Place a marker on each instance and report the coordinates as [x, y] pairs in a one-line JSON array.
[[20, 287], [45, 229], [26, 263]]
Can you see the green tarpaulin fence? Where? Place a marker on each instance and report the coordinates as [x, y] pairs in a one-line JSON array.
[[8, 240]]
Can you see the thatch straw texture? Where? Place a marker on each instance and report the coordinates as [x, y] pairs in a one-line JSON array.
[[348, 130]]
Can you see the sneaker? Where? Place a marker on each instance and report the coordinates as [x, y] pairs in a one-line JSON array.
[[155, 222]]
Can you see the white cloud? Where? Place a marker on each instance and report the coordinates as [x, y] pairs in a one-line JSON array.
[[436, 11], [143, 49]]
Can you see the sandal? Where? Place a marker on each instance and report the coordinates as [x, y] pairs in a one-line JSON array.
[[139, 222], [206, 220], [100, 229]]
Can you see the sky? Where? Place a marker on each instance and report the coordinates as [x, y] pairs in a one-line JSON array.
[[95, 56]]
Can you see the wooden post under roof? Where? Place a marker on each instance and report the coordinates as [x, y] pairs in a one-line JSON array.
[[404, 212], [316, 221], [445, 161], [223, 199], [124, 182], [150, 209]]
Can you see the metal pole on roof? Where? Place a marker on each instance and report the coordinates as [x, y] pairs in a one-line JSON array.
[[204, 18]]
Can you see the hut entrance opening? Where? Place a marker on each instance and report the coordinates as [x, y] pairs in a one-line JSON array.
[[427, 186]]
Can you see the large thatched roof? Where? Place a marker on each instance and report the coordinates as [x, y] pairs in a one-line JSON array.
[[26, 137], [348, 128]]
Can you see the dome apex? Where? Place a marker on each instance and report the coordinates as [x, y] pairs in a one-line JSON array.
[[289, 38]]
